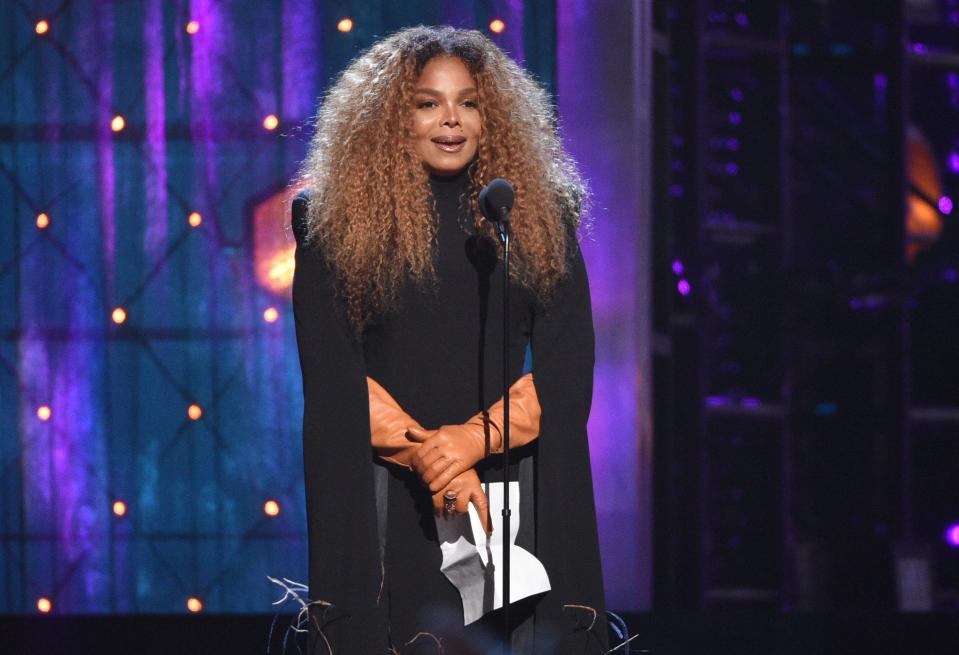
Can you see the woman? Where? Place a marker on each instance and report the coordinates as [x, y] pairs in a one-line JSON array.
[[398, 319]]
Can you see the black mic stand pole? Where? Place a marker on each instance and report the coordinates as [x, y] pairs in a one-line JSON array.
[[505, 233]]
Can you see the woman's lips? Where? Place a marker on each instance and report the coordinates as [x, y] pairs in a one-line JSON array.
[[449, 144]]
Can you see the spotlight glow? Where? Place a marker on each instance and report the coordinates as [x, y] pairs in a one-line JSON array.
[[270, 314], [119, 508], [44, 412], [43, 221], [194, 411], [283, 269], [684, 287], [945, 205], [42, 27], [954, 162], [678, 267], [118, 123], [44, 605], [271, 508], [192, 27], [119, 315], [952, 535], [345, 25], [272, 251], [270, 122], [194, 604], [195, 219], [497, 26]]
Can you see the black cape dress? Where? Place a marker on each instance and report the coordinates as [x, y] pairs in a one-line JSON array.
[[374, 560]]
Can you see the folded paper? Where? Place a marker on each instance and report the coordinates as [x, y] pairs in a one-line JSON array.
[[473, 562]]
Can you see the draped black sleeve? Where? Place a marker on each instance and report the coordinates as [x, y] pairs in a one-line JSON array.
[[562, 342], [345, 569]]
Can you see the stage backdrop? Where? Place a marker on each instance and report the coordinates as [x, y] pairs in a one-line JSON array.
[[150, 401]]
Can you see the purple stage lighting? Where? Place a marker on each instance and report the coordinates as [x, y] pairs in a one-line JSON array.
[[952, 535], [683, 287], [954, 161], [945, 205], [735, 118], [678, 267]]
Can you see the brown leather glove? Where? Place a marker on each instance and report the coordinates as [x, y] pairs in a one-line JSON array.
[[452, 449], [468, 489], [388, 426]]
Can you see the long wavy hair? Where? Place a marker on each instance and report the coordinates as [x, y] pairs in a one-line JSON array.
[[372, 212]]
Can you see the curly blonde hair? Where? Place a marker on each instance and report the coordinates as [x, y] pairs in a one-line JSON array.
[[372, 212]]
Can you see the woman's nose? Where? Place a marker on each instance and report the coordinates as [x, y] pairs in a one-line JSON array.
[[451, 117]]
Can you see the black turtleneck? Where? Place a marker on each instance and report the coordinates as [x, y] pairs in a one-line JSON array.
[[431, 353]]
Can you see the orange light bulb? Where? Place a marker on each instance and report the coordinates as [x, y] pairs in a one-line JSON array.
[[119, 508], [345, 25], [118, 123], [271, 508], [119, 315], [195, 219], [194, 411], [43, 221], [42, 27], [497, 26], [44, 605], [192, 27], [44, 412], [193, 604], [270, 122]]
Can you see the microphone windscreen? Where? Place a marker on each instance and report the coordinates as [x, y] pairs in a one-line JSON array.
[[497, 195]]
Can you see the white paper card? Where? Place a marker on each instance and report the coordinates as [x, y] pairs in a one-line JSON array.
[[473, 563]]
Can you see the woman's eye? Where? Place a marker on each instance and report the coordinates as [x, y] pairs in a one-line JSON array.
[[425, 104], [472, 104]]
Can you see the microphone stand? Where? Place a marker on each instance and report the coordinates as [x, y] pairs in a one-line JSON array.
[[505, 233]]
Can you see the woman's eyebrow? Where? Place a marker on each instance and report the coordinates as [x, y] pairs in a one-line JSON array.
[[433, 92]]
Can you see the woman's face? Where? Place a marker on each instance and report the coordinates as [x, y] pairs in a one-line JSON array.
[[446, 118]]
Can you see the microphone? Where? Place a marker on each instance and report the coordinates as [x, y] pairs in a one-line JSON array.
[[496, 200]]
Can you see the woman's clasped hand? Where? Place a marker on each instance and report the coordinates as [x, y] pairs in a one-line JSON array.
[[449, 450]]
